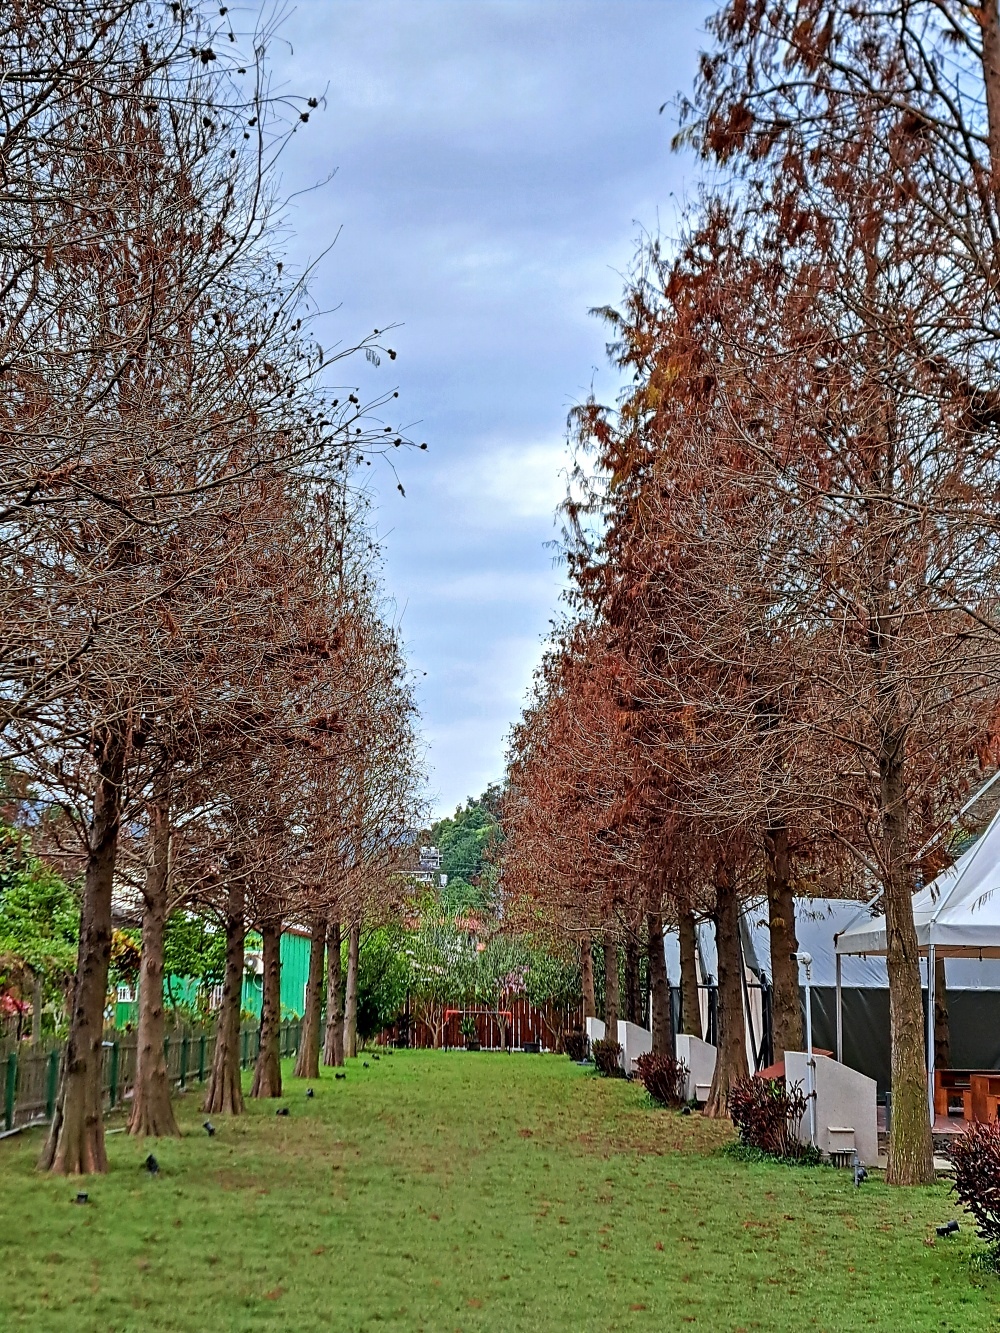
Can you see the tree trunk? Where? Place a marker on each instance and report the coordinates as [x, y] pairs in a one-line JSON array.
[[659, 991], [333, 1048], [75, 1143], [690, 1008], [911, 1153], [307, 1062], [611, 1002], [633, 991], [152, 1112], [942, 1025], [587, 979], [731, 1057], [225, 1090], [267, 1070], [786, 1009], [351, 998], [37, 1002], [989, 19]]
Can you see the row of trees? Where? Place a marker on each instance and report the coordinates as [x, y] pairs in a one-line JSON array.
[[201, 687], [779, 667]]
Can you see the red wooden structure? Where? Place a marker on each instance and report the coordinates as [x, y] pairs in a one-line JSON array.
[[524, 1023]]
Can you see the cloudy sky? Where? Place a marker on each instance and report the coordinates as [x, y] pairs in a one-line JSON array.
[[495, 163]]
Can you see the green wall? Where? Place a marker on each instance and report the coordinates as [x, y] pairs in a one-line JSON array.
[[294, 974]]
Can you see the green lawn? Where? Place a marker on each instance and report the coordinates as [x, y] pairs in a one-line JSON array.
[[474, 1192]]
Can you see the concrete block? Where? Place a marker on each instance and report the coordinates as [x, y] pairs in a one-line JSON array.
[[634, 1041], [595, 1031], [845, 1102], [699, 1057]]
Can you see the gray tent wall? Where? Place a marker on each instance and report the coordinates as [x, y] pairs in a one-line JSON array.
[[973, 991]]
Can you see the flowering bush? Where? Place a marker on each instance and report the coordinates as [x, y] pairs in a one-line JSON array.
[[664, 1078]]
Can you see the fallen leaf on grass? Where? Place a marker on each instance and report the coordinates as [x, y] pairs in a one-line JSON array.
[[275, 1294]]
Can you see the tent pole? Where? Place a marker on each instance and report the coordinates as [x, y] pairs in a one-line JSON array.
[[930, 1030], [840, 1014]]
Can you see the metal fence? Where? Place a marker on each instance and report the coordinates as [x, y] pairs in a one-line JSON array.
[[29, 1074]]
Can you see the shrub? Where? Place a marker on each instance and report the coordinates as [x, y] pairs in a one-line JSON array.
[[575, 1045], [607, 1058], [976, 1155], [664, 1078], [767, 1116]]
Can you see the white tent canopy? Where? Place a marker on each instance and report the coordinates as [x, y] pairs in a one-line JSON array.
[[957, 915]]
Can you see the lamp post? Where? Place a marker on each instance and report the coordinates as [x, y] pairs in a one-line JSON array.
[[805, 960]]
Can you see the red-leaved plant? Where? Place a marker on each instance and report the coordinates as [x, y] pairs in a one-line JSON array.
[[664, 1078], [575, 1045], [767, 1115], [607, 1058], [976, 1155]]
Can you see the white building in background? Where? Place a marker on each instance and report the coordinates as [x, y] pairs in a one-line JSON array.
[[429, 868]]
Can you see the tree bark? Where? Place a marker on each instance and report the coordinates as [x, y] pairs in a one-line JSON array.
[[333, 1048], [690, 1008], [307, 1062], [36, 1008], [587, 979], [786, 1008], [659, 991], [267, 1070], [351, 998], [911, 1152], [633, 992], [989, 20], [75, 1143], [942, 1025], [225, 1090], [152, 1112], [612, 1007], [731, 1055]]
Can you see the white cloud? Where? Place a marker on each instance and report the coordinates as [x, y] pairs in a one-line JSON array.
[[500, 481]]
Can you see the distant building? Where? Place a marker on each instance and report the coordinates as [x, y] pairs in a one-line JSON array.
[[429, 868]]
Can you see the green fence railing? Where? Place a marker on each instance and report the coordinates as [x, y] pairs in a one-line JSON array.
[[29, 1074]]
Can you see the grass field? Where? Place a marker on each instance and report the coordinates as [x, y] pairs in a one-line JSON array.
[[472, 1192]]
